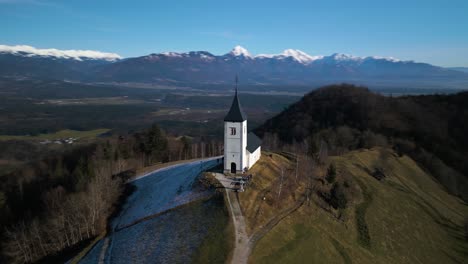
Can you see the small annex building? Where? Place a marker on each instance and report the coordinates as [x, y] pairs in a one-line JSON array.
[[241, 149]]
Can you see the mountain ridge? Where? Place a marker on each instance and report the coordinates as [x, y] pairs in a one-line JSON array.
[[291, 67], [29, 51]]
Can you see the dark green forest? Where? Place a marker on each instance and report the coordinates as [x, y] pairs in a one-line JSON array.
[[432, 129]]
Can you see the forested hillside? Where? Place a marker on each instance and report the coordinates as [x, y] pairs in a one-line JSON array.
[[61, 202], [431, 129]]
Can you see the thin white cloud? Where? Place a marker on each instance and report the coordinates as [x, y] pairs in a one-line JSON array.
[[67, 54]]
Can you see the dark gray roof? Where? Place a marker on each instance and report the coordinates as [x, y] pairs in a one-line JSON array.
[[253, 142], [235, 114]]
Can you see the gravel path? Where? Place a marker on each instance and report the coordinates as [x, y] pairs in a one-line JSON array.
[[244, 244]]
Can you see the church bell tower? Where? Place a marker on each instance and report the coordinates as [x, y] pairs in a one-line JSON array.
[[235, 138]]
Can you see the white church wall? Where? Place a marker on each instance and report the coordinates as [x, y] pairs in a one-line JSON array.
[[254, 157], [234, 145], [245, 162]]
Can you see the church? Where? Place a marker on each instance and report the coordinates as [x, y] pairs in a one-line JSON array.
[[241, 149]]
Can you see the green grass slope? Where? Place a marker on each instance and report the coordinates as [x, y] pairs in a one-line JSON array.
[[405, 218]]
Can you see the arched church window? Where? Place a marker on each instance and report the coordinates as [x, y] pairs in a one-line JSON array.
[[233, 131]]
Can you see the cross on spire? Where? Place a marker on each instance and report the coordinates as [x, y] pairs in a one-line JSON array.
[[235, 113], [236, 83]]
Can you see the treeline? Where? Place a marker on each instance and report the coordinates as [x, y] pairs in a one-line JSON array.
[[68, 218], [431, 129], [54, 204]]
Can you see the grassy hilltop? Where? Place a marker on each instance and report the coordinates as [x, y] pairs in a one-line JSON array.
[[407, 217]]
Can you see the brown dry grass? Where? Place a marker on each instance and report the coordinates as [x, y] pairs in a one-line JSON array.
[[262, 201], [410, 218]]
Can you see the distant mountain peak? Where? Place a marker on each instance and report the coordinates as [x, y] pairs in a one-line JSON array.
[[79, 55], [300, 56], [172, 54], [348, 57], [392, 59], [239, 51], [295, 54], [342, 57], [205, 55]]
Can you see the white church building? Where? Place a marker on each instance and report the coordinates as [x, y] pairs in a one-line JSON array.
[[241, 149]]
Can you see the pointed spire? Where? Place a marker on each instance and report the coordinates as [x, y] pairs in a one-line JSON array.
[[237, 80], [235, 113]]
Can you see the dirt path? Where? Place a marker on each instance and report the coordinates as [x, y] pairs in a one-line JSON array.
[[244, 244], [146, 171], [242, 241], [241, 245], [102, 255]]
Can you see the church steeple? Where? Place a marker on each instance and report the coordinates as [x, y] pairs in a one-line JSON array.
[[237, 80], [235, 114]]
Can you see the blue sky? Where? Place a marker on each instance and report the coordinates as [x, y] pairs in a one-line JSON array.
[[428, 31]]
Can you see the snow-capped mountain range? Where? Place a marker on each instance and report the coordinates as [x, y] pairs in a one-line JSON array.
[[297, 55], [294, 54], [291, 67], [79, 55], [237, 51]]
